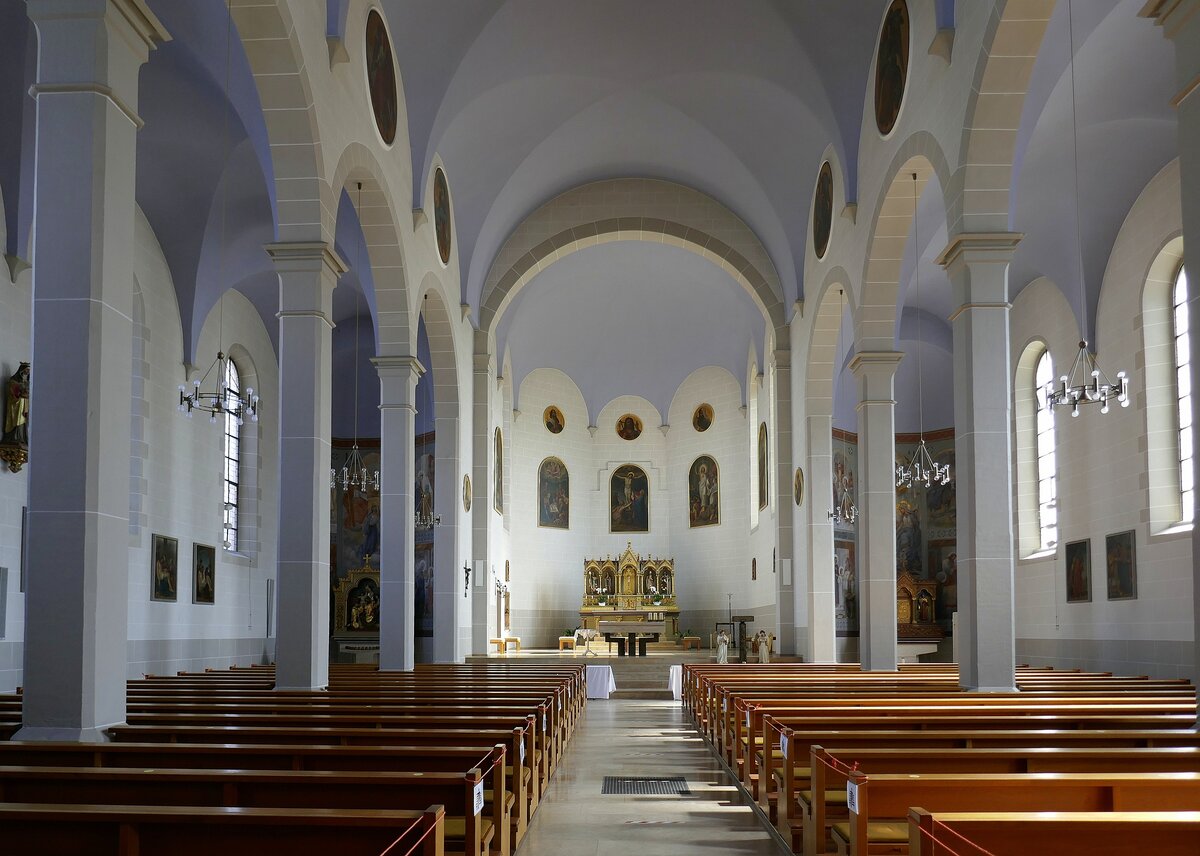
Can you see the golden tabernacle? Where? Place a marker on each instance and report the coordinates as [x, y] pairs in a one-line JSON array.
[[631, 588], [915, 601]]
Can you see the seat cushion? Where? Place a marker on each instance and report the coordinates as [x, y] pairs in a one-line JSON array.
[[878, 832], [831, 797]]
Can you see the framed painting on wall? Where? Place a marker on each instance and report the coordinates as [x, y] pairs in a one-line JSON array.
[[1079, 571], [629, 500], [554, 495], [204, 574], [423, 574], [164, 566], [845, 588], [498, 482], [704, 508], [764, 470], [1120, 558], [943, 567]]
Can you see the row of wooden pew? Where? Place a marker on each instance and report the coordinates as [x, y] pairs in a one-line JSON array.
[[445, 759], [860, 763]]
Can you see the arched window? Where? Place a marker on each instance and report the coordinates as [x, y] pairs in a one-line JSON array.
[[233, 454], [1047, 464], [1183, 391]]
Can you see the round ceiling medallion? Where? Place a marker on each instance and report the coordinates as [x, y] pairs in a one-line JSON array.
[[629, 427], [822, 223], [441, 214], [891, 66], [381, 77]]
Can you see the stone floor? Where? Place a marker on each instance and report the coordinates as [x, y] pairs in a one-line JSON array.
[[642, 738]]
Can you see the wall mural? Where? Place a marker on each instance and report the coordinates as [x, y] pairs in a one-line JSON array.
[[423, 574], [554, 495], [845, 477], [424, 497], [845, 588], [629, 500], [498, 482], [764, 470], [355, 515], [704, 507], [441, 215], [891, 66], [381, 77]]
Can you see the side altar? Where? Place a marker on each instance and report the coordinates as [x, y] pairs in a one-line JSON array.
[[630, 588]]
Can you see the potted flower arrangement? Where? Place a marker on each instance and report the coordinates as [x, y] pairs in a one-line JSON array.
[[655, 597], [602, 597]]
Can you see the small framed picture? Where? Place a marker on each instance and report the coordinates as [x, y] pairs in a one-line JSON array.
[[1079, 571], [204, 574], [1120, 558], [164, 568]]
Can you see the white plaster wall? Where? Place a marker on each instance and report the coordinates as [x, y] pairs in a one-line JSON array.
[[1103, 474]]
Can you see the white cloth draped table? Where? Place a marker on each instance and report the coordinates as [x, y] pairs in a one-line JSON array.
[[600, 681]]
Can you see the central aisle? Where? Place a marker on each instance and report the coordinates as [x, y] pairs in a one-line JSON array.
[[642, 738]]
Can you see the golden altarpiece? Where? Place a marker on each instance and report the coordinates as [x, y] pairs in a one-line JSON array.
[[629, 587], [915, 603]]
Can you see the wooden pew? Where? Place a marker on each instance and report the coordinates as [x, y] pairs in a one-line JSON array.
[[115, 830], [1163, 833]]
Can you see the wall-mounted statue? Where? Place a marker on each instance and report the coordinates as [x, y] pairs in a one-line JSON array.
[[14, 445]]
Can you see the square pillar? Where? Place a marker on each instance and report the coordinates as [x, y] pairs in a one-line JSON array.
[[822, 626], [784, 504]]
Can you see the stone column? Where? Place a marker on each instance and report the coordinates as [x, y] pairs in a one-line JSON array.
[[977, 265], [822, 643], [76, 600], [875, 371], [308, 273], [784, 504], [398, 377], [1180, 20], [482, 386]]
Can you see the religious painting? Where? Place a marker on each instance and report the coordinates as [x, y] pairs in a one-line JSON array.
[[424, 478], [204, 574], [554, 419], [754, 569], [704, 508], [764, 485], [629, 427], [845, 486], [702, 419], [498, 482], [466, 492], [845, 588], [823, 210], [891, 66], [1121, 560], [908, 538], [362, 606], [164, 559], [943, 567], [940, 499], [798, 486], [355, 511], [423, 576], [441, 214], [554, 495], [381, 77], [1079, 571], [629, 500]]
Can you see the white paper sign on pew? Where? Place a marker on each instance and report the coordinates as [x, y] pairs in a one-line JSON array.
[[478, 797], [783, 742], [852, 796], [522, 745]]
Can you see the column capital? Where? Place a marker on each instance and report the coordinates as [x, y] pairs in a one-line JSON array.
[[984, 247], [397, 366], [484, 363], [781, 358], [135, 14], [876, 363], [304, 256]]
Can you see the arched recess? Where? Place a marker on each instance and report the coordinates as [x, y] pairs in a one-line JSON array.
[[306, 209], [1025, 436], [251, 468], [633, 210], [877, 317], [448, 647], [395, 334], [978, 197]]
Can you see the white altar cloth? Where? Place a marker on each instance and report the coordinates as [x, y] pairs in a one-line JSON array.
[[675, 681], [600, 681]]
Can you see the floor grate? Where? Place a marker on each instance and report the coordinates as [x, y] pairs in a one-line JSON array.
[[646, 785]]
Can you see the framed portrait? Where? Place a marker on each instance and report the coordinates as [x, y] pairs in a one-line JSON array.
[[891, 66], [764, 478], [441, 215], [702, 419], [466, 493], [1079, 571], [554, 419], [798, 486], [164, 568], [381, 77], [554, 495], [629, 427], [1120, 558], [629, 500], [704, 507], [204, 574], [822, 223]]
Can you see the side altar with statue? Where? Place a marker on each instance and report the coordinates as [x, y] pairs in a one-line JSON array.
[[630, 588]]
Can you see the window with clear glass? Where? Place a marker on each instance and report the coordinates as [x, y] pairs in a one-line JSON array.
[[1047, 464], [1183, 389], [233, 451]]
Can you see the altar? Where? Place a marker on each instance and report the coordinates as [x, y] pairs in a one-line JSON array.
[[630, 588]]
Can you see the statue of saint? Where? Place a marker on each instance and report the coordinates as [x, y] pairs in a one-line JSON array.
[[16, 411]]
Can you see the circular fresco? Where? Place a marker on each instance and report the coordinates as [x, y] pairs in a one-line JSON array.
[[798, 486], [702, 419], [381, 77], [441, 214], [554, 419], [466, 493], [823, 210], [629, 427], [891, 66]]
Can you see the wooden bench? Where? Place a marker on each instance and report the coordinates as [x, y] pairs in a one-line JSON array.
[[117, 830], [1162, 833]]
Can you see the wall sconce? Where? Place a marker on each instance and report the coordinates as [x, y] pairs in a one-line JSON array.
[[466, 579]]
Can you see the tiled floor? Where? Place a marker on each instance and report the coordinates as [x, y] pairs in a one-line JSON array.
[[642, 738]]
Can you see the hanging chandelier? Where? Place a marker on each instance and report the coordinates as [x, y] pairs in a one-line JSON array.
[[354, 474], [921, 467], [1086, 382], [224, 399], [850, 514]]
